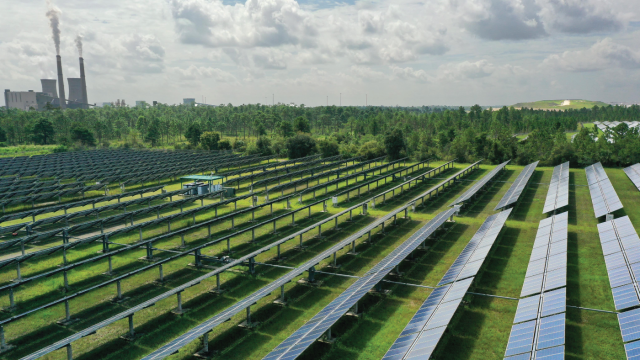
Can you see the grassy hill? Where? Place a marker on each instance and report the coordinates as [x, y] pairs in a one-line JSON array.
[[557, 104]]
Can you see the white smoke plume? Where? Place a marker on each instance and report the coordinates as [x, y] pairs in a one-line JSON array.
[[54, 21], [78, 42]]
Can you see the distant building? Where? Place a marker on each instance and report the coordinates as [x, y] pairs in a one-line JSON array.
[[49, 87], [189, 101], [141, 103], [25, 100]]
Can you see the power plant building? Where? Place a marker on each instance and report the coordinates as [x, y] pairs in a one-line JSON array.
[[53, 93]]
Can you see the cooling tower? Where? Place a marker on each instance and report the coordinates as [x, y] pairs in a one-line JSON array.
[[49, 86], [61, 83], [75, 90], [85, 100]]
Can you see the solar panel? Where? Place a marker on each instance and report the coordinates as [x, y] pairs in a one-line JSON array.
[[473, 255], [516, 189], [478, 185], [621, 249], [603, 195], [554, 353], [558, 194], [632, 350], [420, 337], [630, 325], [300, 340], [547, 269]]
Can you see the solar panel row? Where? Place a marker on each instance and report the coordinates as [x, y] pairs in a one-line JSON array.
[[621, 249], [472, 257], [558, 194], [478, 185], [544, 337], [300, 340], [547, 268], [633, 172], [603, 195], [517, 187], [421, 336]]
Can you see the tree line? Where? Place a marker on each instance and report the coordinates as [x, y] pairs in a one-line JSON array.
[[424, 132]]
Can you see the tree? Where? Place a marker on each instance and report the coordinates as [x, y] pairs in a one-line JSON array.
[[193, 134], [82, 135], [3, 135], [328, 148], [300, 146], [142, 125], [264, 146], [286, 129], [42, 133], [394, 143], [153, 133], [210, 140], [301, 124]]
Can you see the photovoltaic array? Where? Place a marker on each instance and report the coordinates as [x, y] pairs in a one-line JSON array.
[[420, 337], [604, 197], [472, 257], [512, 195], [621, 249], [480, 184], [558, 194], [630, 328], [547, 268], [633, 172], [300, 340], [539, 325]]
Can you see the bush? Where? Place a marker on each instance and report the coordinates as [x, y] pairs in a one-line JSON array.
[[264, 145], [224, 144], [209, 140], [371, 150], [82, 135], [239, 145], [60, 149], [300, 146], [328, 148]]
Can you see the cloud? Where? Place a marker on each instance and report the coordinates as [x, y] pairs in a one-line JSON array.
[[579, 16], [500, 19], [255, 23], [408, 73], [465, 70], [363, 35], [366, 73], [602, 55], [202, 72]]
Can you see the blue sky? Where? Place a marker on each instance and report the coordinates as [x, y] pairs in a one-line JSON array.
[[453, 52]]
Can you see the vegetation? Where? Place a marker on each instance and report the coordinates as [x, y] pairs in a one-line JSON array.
[[417, 132]]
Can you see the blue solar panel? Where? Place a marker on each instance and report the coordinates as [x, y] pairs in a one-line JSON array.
[[632, 350], [516, 189], [554, 353], [630, 325], [473, 255]]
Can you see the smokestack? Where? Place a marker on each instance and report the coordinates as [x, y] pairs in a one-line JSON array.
[[84, 85], [63, 97]]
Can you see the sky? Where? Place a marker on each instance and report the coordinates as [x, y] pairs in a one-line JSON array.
[[401, 52]]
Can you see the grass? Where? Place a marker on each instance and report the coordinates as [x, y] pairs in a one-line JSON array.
[[26, 150], [480, 329]]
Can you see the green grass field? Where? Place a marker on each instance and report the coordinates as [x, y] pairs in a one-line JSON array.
[[480, 329], [557, 104]]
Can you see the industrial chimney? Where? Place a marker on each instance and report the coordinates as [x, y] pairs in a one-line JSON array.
[[84, 85], [63, 96]]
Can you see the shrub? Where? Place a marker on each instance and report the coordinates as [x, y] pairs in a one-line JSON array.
[[300, 146]]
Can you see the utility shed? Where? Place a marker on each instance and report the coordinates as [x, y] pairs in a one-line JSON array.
[[204, 178]]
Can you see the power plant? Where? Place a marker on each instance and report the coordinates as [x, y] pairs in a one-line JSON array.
[[49, 97]]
